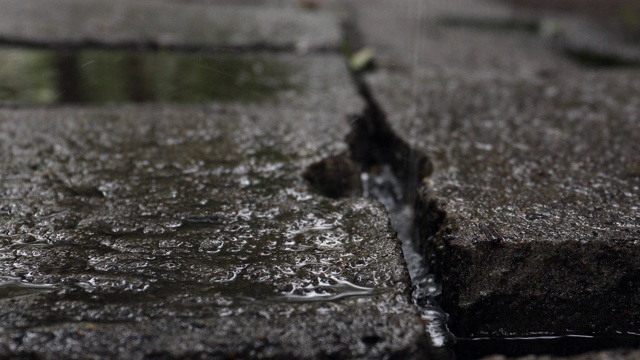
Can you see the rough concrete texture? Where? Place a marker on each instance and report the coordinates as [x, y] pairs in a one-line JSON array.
[[532, 209], [167, 25], [189, 232]]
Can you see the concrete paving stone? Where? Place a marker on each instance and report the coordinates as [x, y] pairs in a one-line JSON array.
[[532, 209], [167, 25], [189, 232]]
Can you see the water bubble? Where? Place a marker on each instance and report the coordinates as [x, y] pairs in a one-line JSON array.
[[225, 276], [244, 181], [298, 195], [173, 224], [154, 229], [268, 214], [244, 214], [211, 246], [174, 244], [236, 244]]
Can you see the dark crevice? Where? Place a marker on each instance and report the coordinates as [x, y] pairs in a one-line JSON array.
[[372, 143], [335, 177], [151, 46], [516, 24], [597, 59], [380, 165], [392, 172], [429, 220]]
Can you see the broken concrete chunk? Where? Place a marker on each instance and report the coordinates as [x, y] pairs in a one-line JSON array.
[[336, 177], [531, 215], [531, 211]]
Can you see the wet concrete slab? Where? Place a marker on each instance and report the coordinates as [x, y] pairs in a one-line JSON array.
[[167, 24], [531, 212], [172, 231]]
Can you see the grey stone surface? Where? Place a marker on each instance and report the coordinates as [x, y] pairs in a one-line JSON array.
[[167, 25], [532, 209], [189, 232]]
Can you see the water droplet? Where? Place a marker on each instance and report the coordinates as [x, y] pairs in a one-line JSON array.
[[154, 229], [211, 246], [244, 214]]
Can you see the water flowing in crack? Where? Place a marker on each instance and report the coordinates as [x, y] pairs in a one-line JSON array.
[[380, 165], [391, 172]]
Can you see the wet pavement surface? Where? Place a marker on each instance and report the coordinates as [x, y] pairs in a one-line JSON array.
[[233, 213], [188, 231]]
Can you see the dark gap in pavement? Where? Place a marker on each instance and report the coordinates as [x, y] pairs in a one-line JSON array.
[[598, 60], [150, 46], [524, 24], [382, 166]]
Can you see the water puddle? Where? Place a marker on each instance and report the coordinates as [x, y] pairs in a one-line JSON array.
[[8, 243], [598, 59], [87, 76], [325, 290], [11, 287]]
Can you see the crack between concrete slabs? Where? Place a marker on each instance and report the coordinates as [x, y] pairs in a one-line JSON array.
[[382, 166]]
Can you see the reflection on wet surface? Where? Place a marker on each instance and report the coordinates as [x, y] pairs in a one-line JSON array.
[[122, 216], [48, 76]]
